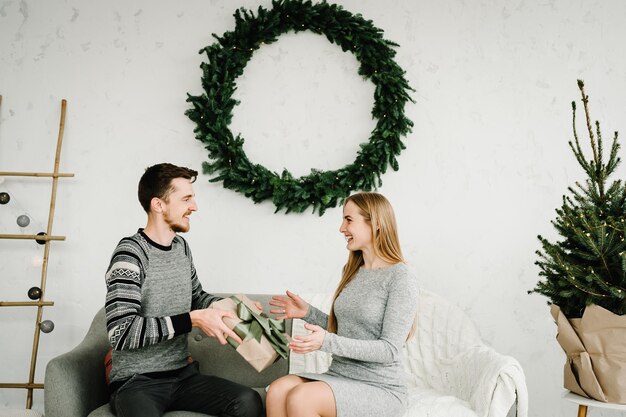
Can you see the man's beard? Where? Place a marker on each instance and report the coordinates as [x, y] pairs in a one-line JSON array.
[[176, 227], [179, 228]]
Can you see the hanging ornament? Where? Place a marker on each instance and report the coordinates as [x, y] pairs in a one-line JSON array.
[[4, 197], [41, 241], [23, 220], [34, 293], [46, 326]]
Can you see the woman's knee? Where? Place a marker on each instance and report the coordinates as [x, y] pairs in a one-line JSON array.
[[312, 397], [296, 400], [279, 389]]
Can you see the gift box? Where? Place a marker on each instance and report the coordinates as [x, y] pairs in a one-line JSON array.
[[264, 338], [596, 353]]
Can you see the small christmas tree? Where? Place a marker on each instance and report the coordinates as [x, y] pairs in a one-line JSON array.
[[589, 265]]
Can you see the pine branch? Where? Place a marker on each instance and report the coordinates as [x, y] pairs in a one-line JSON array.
[[585, 100]]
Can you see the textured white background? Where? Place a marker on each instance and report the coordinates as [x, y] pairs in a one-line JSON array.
[[485, 167]]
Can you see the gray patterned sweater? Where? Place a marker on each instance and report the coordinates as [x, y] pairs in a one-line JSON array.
[[150, 291]]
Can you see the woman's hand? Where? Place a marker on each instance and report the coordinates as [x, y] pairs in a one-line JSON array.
[[310, 343], [290, 307]]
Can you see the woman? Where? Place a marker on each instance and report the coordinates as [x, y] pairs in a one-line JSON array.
[[369, 321]]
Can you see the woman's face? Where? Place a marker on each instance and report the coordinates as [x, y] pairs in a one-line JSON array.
[[355, 228]]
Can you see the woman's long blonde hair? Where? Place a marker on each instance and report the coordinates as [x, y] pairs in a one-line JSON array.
[[377, 211]]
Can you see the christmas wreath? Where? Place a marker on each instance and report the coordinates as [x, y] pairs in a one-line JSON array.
[[212, 111]]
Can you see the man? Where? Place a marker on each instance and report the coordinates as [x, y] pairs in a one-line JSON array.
[[153, 299]]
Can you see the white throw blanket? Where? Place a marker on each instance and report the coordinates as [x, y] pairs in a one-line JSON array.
[[450, 371]]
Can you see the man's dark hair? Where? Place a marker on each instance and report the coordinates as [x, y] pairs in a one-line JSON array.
[[157, 182]]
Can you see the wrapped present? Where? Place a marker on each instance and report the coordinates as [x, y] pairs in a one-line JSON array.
[[264, 338], [596, 353]]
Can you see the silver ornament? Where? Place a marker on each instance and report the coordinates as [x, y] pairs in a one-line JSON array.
[[23, 220], [46, 326]]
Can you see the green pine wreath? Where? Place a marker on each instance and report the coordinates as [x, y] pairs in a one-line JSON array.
[[213, 111]]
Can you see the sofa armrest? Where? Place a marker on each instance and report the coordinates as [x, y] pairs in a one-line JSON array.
[[74, 381], [489, 381]]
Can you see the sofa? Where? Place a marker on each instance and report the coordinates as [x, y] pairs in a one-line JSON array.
[[75, 381], [449, 370]]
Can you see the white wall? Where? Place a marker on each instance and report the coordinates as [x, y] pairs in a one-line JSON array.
[[484, 169]]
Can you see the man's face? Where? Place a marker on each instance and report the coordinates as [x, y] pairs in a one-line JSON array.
[[180, 204]]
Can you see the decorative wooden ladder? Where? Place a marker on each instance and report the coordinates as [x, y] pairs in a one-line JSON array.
[[43, 239]]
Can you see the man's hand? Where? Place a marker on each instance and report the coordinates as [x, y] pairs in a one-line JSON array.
[[310, 343], [210, 321]]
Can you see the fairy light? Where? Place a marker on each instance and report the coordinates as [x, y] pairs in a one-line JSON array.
[[37, 261]]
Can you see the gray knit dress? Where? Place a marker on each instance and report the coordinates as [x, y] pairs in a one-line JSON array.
[[374, 312]]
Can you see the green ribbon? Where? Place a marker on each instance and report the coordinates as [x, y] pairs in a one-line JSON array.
[[255, 325]]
